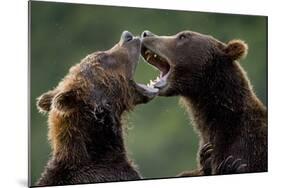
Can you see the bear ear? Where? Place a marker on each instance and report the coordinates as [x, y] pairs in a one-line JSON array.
[[236, 49], [65, 101], [44, 102]]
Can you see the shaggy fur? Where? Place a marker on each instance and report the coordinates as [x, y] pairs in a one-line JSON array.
[[218, 95], [85, 112]]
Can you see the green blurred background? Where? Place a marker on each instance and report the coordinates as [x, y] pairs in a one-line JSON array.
[[160, 138]]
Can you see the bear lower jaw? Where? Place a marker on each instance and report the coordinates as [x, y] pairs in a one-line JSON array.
[[159, 83], [151, 90]]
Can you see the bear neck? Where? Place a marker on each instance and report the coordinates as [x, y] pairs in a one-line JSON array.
[[92, 138], [107, 140], [220, 104]]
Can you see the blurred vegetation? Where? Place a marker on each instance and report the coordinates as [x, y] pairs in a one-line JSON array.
[[160, 138]]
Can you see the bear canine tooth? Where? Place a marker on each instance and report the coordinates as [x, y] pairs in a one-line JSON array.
[[148, 57], [155, 55]]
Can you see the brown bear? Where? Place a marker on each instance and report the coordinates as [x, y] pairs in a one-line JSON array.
[[85, 112], [217, 93]]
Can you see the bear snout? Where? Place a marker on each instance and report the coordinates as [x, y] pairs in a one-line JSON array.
[[126, 36], [147, 34]]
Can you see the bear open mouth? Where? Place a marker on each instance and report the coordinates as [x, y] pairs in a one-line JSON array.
[[159, 62]]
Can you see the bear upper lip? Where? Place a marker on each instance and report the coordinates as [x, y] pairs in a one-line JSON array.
[[158, 61]]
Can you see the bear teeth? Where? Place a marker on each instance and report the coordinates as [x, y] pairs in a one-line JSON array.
[[152, 83], [150, 54]]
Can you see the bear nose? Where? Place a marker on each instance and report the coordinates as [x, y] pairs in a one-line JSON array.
[[146, 34], [126, 36]]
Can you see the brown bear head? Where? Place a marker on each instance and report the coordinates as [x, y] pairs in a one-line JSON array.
[[95, 91], [187, 59], [104, 75]]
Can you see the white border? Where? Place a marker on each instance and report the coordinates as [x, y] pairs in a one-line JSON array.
[[14, 71]]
